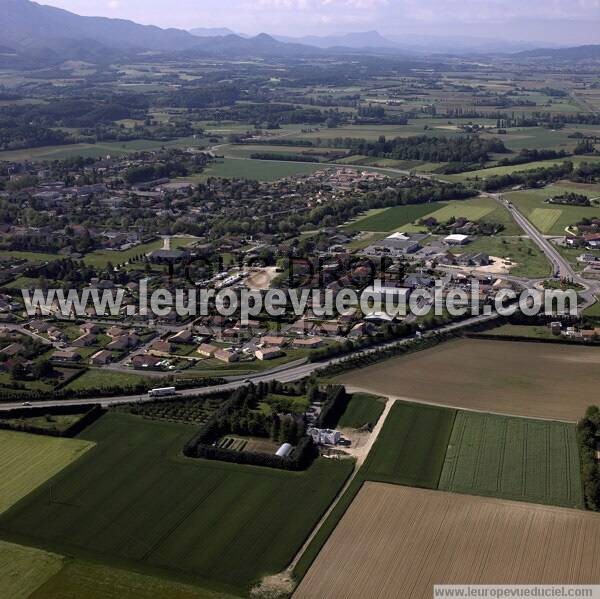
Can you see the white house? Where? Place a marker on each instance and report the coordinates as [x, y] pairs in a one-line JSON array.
[[324, 436]]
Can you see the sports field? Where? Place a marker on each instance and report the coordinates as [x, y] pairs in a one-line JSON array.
[[397, 541], [515, 378], [513, 458], [134, 501], [27, 461]]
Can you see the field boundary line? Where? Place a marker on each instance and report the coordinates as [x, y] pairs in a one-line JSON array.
[[357, 466], [354, 389]]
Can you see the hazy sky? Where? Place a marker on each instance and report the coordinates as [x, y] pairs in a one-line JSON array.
[[561, 21]]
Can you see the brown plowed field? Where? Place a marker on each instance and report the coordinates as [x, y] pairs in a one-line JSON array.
[[517, 378], [397, 542]]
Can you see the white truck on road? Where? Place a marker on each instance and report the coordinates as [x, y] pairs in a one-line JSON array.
[[162, 392]]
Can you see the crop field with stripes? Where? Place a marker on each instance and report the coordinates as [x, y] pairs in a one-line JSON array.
[[397, 541], [513, 458]]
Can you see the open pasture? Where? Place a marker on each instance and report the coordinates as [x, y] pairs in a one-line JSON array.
[[133, 500], [513, 458], [515, 378], [399, 541]]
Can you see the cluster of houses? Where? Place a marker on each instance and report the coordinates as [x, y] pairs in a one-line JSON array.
[[575, 333], [590, 241]]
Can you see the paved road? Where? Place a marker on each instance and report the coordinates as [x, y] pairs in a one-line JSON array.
[[561, 267], [294, 373]]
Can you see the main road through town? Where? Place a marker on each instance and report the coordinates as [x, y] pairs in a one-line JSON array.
[[294, 373]]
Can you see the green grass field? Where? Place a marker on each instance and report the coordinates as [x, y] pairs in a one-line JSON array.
[[31, 256], [98, 379], [482, 209], [513, 458], [30, 573], [362, 409], [78, 579], [27, 461], [467, 210], [134, 500], [593, 311], [544, 218], [87, 150], [25, 569], [493, 171], [548, 218], [261, 170], [393, 218], [519, 330], [411, 447], [100, 258], [529, 260]]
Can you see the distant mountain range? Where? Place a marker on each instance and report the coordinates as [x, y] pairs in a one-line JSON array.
[[26, 24], [212, 32], [588, 52], [32, 35], [366, 39]]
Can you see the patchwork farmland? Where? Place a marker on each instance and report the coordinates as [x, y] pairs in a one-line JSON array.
[[516, 378], [133, 500], [440, 544], [465, 452]]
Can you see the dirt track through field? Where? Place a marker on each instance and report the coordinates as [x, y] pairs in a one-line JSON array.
[[397, 542]]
